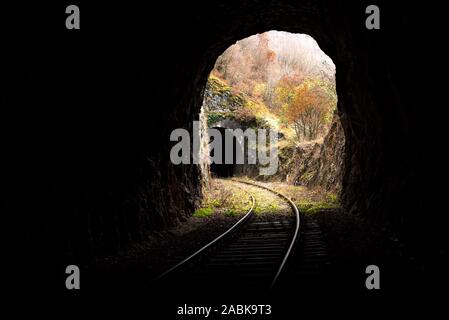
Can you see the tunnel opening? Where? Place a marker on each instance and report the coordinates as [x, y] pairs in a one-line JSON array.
[[283, 82], [113, 180], [221, 168], [278, 81]]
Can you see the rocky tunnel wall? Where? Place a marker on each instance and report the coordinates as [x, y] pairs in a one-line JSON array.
[[91, 113]]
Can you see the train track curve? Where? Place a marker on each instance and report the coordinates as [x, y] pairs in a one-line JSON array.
[[249, 256]]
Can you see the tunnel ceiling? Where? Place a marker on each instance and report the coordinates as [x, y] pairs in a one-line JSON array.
[[96, 108]]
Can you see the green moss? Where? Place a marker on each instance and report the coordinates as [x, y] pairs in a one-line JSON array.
[[333, 198], [214, 117], [203, 212], [274, 207], [238, 99], [243, 107], [312, 207], [216, 203], [217, 86], [232, 213]]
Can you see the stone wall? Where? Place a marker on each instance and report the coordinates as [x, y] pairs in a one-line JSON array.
[[88, 116]]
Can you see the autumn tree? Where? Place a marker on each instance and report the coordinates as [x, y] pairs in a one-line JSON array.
[[262, 56], [287, 73], [246, 63], [309, 109], [285, 91]]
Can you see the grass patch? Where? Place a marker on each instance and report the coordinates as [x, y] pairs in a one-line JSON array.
[[310, 201], [229, 199], [232, 213], [203, 212], [225, 198], [266, 207], [307, 207], [329, 201], [333, 198]]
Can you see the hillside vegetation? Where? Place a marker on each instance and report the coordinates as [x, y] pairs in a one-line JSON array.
[[284, 82]]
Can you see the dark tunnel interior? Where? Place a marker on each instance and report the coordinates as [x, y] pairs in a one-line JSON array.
[[90, 114], [223, 169]]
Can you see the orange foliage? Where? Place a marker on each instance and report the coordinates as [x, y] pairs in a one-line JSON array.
[[307, 110]]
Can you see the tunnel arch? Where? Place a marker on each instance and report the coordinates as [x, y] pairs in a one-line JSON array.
[[214, 99], [327, 44], [365, 111], [113, 179], [223, 169]]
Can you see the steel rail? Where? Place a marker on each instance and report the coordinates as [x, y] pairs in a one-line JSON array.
[[241, 221], [210, 244], [295, 234]]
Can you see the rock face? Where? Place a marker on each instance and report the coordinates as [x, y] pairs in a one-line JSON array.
[[88, 116], [330, 165], [318, 164], [226, 109], [220, 100]]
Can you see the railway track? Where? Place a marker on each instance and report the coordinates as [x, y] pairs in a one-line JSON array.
[[250, 256]]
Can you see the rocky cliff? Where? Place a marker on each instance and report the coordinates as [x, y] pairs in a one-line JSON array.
[[313, 164], [225, 108], [316, 164]]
